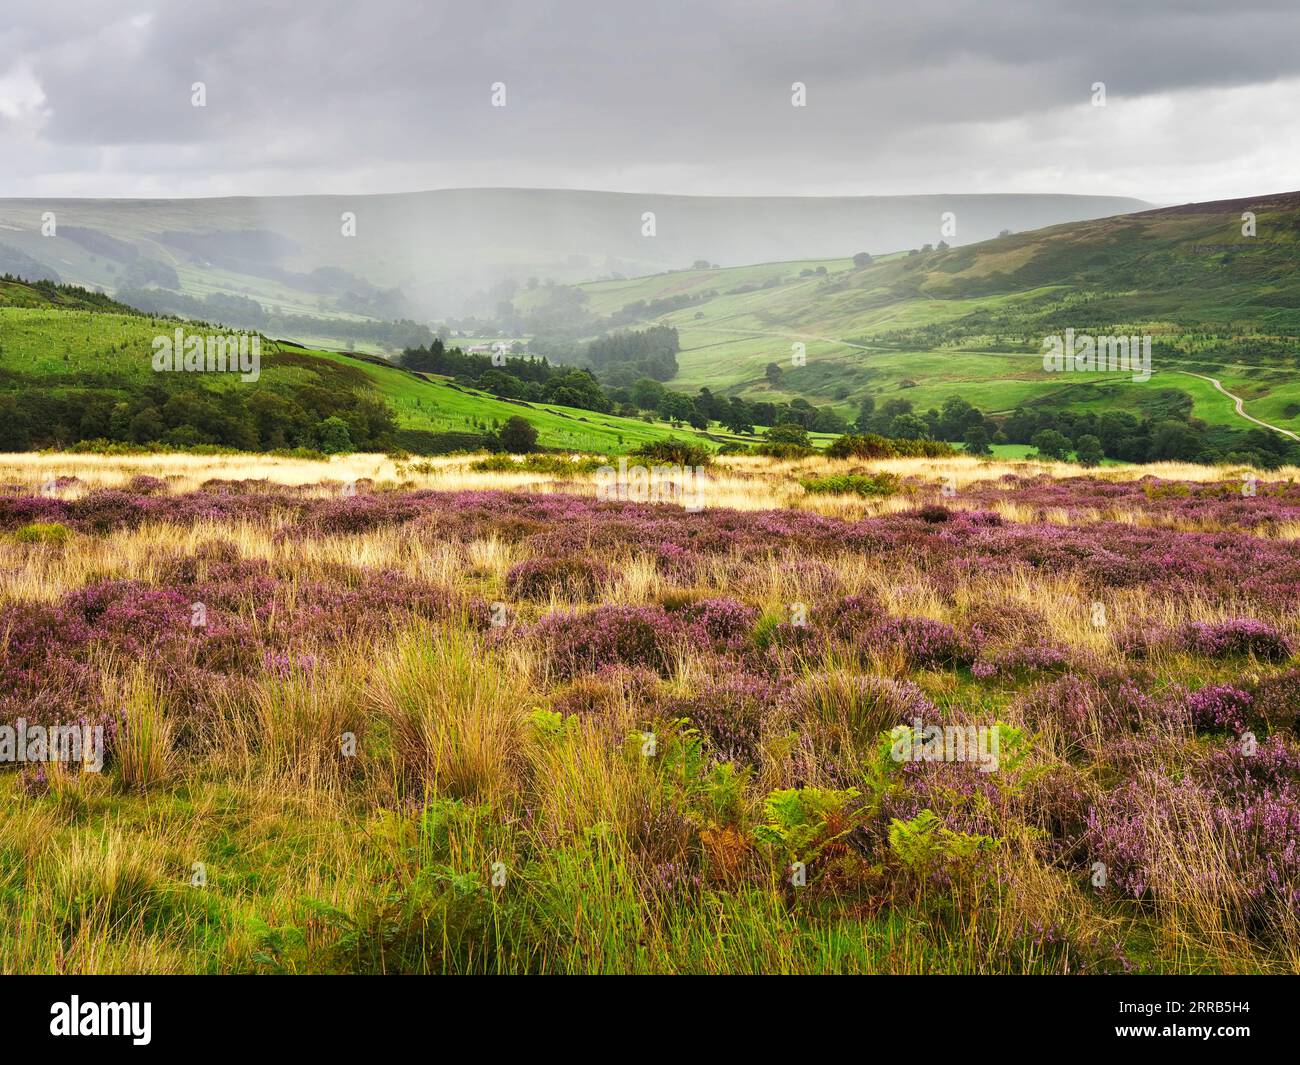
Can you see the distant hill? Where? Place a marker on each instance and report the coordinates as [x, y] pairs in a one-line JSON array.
[[448, 253], [971, 320]]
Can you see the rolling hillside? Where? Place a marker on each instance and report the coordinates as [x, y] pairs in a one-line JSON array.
[[1218, 305], [60, 342], [435, 254]]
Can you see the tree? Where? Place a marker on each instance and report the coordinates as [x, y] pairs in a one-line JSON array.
[[518, 435], [957, 416], [500, 384], [865, 410], [738, 417], [788, 433], [861, 259], [647, 394], [1172, 439], [977, 441], [773, 373], [14, 433], [332, 436], [827, 421], [1051, 444], [909, 427], [1088, 451]]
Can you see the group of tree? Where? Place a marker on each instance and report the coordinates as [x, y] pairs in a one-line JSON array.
[[186, 414], [896, 418], [1163, 435], [537, 380], [624, 357]]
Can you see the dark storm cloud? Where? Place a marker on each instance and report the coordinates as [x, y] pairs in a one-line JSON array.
[[599, 93]]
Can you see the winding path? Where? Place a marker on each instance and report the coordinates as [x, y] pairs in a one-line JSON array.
[[1241, 409], [1237, 400]]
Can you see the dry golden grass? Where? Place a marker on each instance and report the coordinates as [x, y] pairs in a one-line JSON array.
[[740, 481]]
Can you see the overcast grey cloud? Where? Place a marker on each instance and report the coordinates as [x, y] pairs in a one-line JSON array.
[[694, 98]]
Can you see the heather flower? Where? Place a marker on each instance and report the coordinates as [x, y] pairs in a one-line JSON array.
[[1220, 706], [926, 644], [851, 618], [144, 485], [723, 623], [1037, 657], [610, 635], [729, 710], [1277, 700], [541, 578], [1090, 714], [1237, 636]]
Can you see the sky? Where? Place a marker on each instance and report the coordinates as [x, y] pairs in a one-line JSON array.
[[930, 96]]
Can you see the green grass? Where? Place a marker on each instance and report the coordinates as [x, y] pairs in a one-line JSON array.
[[969, 321], [54, 343]]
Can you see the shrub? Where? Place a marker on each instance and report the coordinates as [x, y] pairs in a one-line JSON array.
[[730, 710], [1236, 636], [867, 446], [721, 621], [540, 578], [424, 442], [42, 532], [538, 463], [1220, 706], [518, 435], [926, 644], [784, 451], [674, 453], [882, 484], [610, 635], [1277, 699], [872, 446]]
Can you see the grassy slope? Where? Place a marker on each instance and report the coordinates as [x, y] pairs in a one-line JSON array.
[[970, 320], [42, 339]]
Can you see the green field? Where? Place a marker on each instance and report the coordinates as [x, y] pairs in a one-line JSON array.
[[59, 343], [970, 321]]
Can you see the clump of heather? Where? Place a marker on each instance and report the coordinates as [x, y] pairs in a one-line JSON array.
[[1277, 700], [1088, 715], [729, 710], [143, 484], [627, 635], [926, 644], [1237, 815], [1037, 657], [850, 618], [783, 646], [1237, 636], [723, 623], [1123, 830], [1220, 706], [106, 509], [572, 577], [1245, 772], [934, 514]]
